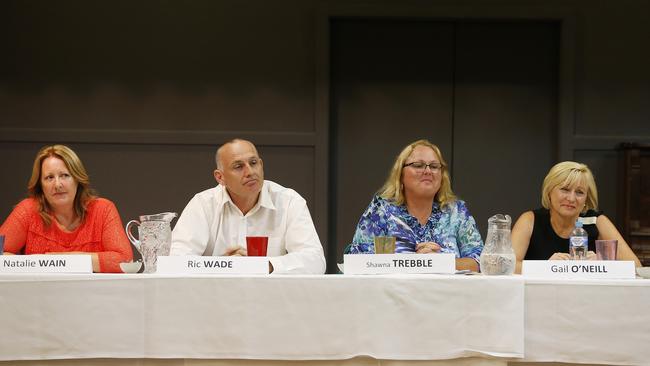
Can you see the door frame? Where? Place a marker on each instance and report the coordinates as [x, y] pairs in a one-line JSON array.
[[325, 13]]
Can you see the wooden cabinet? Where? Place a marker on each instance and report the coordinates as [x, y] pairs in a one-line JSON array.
[[634, 200]]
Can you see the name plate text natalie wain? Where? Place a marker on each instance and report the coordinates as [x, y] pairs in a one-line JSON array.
[[212, 265], [399, 263], [45, 263]]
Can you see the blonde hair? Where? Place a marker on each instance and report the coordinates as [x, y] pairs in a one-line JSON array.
[[72, 162], [393, 189], [570, 174]]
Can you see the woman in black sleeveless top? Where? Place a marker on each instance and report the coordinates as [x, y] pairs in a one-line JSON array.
[[568, 194]]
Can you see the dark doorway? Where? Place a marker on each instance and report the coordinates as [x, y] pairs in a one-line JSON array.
[[485, 92]]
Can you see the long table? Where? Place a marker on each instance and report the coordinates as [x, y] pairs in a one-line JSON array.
[[588, 321], [322, 320]]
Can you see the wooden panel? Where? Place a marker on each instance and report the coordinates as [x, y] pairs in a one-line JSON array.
[[145, 91], [17, 168], [205, 65], [505, 115], [604, 166], [391, 85], [614, 71], [145, 179], [634, 198]]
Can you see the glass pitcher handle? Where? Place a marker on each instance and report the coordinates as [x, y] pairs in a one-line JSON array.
[[132, 239]]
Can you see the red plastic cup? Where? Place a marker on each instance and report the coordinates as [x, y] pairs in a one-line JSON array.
[[256, 245]]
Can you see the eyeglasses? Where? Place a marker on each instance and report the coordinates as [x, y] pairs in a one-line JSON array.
[[421, 166]]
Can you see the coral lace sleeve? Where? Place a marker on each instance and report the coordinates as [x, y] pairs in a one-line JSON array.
[[16, 226], [117, 247]]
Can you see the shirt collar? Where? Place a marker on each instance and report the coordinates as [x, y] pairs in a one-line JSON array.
[[225, 197], [263, 201], [265, 197]]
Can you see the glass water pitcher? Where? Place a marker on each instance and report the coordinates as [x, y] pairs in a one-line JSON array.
[[497, 257], [154, 237]]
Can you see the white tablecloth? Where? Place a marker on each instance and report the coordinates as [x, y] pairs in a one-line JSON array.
[[335, 317], [588, 321]]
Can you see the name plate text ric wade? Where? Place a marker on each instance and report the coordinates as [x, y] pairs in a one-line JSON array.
[[212, 265]]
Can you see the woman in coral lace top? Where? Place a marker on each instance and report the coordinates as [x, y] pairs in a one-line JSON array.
[[64, 216]]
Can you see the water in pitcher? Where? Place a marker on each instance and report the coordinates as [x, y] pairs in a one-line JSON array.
[[154, 237], [498, 264], [497, 257]]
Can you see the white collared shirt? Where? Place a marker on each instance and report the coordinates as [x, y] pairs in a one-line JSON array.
[[211, 222]]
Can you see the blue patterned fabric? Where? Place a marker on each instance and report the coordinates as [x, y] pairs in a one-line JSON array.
[[453, 228]]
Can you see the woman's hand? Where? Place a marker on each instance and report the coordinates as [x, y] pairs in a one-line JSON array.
[[560, 257], [427, 247], [94, 257], [591, 256]]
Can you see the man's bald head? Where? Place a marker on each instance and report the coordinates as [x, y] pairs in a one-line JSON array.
[[241, 171], [223, 149]]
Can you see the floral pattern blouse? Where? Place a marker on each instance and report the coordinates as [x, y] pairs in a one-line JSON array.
[[452, 227]]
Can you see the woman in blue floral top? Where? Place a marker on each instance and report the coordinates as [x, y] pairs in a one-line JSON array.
[[417, 206]]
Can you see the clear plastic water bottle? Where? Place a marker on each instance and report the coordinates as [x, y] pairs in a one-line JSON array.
[[578, 242]]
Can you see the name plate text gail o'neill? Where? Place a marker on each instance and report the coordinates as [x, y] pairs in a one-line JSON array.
[[578, 269]]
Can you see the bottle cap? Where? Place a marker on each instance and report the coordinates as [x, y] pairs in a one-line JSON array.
[[578, 223]]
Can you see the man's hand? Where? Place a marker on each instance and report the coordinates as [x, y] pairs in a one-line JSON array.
[[236, 250]]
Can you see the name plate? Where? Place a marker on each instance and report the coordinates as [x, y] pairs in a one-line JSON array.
[[579, 269], [212, 265], [45, 263], [399, 263]]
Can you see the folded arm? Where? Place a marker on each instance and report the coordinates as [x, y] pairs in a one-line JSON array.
[[304, 250], [469, 241], [117, 247], [520, 237], [607, 231], [15, 230], [192, 231]]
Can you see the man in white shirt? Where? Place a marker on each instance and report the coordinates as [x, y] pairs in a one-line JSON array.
[[218, 220]]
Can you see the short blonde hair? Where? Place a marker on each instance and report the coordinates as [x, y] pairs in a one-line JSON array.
[[393, 189], [72, 162], [570, 174]]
